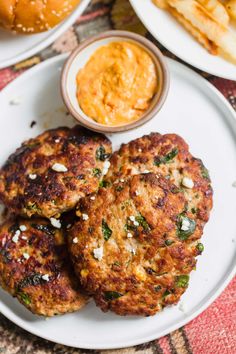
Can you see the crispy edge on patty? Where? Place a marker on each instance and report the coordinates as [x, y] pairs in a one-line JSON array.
[[127, 250], [48, 174], [35, 267]]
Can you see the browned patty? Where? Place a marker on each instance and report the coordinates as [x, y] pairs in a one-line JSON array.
[[128, 248], [32, 182], [167, 155], [35, 267]]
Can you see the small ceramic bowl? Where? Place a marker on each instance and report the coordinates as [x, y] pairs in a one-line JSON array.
[[82, 54]]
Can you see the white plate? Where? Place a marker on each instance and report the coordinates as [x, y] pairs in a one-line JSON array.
[[177, 40], [16, 47], [195, 110]]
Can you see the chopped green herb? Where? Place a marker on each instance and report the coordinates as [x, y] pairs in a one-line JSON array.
[[104, 184], [129, 227], [200, 247], [193, 210], [142, 221], [106, 230], [33, 207], [97, 172], [119, 188], [185, 227], [24, 297], [157, 288], [205, 172], [101, 154], [168, 242], [116, 263], [167, 158], [182, 281], [112, 295], [166, 293]]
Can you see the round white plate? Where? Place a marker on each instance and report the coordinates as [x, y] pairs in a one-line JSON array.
[[195, 110], [16, 47], [177, 40]]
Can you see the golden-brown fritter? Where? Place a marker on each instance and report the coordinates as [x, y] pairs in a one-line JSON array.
[[128, 247], [48, 175], [35, 267], [167, 155]]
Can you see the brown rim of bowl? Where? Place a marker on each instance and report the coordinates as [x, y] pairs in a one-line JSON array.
[[152, 110]]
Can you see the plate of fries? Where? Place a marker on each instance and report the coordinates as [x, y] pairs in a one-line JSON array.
[[200, 32]]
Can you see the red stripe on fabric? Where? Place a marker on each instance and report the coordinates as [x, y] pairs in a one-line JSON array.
[[7, 75], [214, 331], [91, 16], [164, 344]]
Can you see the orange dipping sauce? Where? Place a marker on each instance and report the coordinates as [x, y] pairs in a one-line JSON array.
[[117, 84]]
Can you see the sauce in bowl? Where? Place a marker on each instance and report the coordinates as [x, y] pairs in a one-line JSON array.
[[117, 84]]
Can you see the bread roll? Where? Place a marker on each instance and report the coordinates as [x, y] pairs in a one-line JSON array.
[[33, 16]]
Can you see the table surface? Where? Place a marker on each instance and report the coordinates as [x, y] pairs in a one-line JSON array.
[[214, 331]]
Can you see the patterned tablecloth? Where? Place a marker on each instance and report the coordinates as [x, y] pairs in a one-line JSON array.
[[214, 331]]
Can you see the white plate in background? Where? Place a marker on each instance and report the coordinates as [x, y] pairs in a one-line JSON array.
[[201, 115], [17, 47], [177, 40]]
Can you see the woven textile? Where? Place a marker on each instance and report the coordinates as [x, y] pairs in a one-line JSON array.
[[214, 331]]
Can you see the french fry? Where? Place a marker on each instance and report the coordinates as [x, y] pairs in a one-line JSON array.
[[231, 8], [162, 4], [217, 10], [200, 37], [202, 19]]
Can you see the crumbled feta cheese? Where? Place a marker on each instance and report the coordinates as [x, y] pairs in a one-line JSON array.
[[68, 226], [55, 222], [57, 140], [15, 238], [187, 182], [136, 223], [45, 277], [85, 216], [24, 237], [75, 240], [15, 101], [106, 167], [23, 228], [140, 150], [58, 167], [146, 171], [32, 176], [26, 255], [122, 180], [185, 224], [137, 193], [132, 218], [129, 235], [92, 198], [98, 253]]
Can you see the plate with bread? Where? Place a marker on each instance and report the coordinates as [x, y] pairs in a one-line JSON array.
[[200, 32], [114, 238], [26, 27]]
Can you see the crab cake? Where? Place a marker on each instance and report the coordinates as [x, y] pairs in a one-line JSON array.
[[48, 175], [127, 247], [35, 267], [167, 155]]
